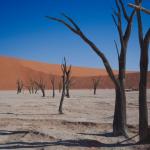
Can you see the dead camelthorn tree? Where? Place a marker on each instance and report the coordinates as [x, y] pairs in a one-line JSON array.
[[60, 86], [31, 86], [68, 81], [95, 82], [52, 78], [119, 123], [124, 35], [19, 86], [64, 82], [144, 41], [41, 85]]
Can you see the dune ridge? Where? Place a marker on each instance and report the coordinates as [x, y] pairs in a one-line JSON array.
[[14, 68]]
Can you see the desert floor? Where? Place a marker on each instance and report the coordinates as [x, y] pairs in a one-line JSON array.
[[28, 121]]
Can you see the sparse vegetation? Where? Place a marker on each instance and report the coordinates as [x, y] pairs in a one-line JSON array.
[[52, 78], [95, 82], [41, 85], [65, 73], [19, 86]]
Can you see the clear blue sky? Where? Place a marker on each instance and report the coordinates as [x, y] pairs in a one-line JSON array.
[[26, 33]]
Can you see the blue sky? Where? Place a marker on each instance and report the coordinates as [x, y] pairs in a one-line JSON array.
[[26, 33]]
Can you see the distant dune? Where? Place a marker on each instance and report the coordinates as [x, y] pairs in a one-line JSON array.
[[12, 69]]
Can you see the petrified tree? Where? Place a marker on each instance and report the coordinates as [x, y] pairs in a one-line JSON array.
[[64, 82], [144, 41], [31, 86], [119, 123], [124, 35], [95, 82], [68, 81], [60, 86], [19, 86], [41, 85], [52, 78]]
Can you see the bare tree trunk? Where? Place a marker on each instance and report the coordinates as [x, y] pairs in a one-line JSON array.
[[40, 85], [60, 86], [143, 112], [19, 86], [94, 91], [53, 84], [144, 46], [62, 96], [53, 91], [95, 84], [68, 81], [43, 92], [119, 122], [65, 79], [67, 91]]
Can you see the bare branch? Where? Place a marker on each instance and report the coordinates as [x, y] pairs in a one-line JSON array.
[[114, 19], [140, 26], [63, 22], [73, 23], [139, 7], [117, 49], [94, 48], [147, 37], [128, 28], [124, 10]]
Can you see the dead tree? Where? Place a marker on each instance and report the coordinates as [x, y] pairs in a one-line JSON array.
[[95, 82], [29, 89], [41, 85], [124, 35], [60, 86], [68, 81], [52, 78], [144, 41], [31, 86], [19, 86], [119, 123], [36, 88], [64, 82]]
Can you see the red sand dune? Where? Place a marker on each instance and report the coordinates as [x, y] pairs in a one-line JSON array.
[[13, 69]]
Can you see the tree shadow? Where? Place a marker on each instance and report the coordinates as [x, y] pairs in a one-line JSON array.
[[5, 132], [28, 114], [106, 134], [86, 143]]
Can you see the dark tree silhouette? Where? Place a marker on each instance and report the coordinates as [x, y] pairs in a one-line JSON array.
[[124, 35], [119, 123], [68, 81], [60, 86], [41, 85], [144, 41], [95, 82], [31, 86], [64, 82], [52, 78], [19, 86]]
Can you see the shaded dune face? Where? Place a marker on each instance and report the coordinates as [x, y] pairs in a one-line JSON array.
[[13, 69]]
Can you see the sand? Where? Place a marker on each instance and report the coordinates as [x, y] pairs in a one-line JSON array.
[[13, 69], [28, 121]]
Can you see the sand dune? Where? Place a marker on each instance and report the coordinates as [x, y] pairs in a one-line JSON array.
[[13, 69]]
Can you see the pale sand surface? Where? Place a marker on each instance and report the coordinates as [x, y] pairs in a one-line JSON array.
[[31, 122]]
